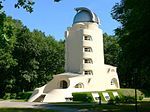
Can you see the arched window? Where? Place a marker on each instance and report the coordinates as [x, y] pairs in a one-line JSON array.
[[63, 84], [114, 82], [79, 85]]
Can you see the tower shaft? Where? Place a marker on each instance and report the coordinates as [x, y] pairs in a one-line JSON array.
[[84, 48]]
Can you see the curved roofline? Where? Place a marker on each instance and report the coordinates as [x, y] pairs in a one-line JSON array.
[[89, 11]]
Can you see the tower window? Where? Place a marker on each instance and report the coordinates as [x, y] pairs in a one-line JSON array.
[[87, 49], [112, 70], [89, 60], [87, 37], [114, 82], [88, 72]]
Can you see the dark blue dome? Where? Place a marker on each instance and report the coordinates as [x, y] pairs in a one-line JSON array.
[[85, 15]]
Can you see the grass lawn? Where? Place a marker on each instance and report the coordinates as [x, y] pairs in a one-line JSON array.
[[142, 107], [24, 110]]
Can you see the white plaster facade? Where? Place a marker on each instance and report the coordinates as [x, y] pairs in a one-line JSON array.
[[84, 63]]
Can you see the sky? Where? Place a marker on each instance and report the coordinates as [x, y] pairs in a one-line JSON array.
[[53, 18]]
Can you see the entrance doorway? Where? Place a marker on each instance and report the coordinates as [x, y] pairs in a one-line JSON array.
[[63, 84]]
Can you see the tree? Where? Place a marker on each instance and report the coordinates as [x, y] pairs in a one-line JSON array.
[[25, 4], [111, 49], [27, 58], [133, 38], [8, 32]]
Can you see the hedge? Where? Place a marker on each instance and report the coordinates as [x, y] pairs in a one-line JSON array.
[[21, 95], [83, 97]]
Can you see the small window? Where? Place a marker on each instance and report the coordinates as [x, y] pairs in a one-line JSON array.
[[63, 84], [112, 70], [113, 81], [89, 60], [88, 72], [87, 37], [87, 49], [79, 85]]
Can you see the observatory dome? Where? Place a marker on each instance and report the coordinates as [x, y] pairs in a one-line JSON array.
[[85, 15]]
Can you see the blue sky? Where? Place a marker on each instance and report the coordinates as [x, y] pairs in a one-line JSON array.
[[53, 18]]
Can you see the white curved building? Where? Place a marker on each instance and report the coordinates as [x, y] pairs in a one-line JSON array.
[[84, 62]]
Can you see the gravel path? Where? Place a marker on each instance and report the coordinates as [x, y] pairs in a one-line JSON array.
[[37, 105]]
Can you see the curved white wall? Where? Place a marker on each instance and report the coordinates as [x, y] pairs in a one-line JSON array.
[[75, 44]]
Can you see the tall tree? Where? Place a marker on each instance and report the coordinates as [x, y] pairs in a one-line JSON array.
[[134, 40], [111, 49], [27, 58], [8, 32], [25, 4]]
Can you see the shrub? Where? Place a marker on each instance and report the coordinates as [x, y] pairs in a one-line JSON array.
[[21, 95], [13, 95], [127, 99], [131, 93], [117, 100], [24, 95], [122, 99], [7, 96], [83, 97], [141, 97], [111, 101]]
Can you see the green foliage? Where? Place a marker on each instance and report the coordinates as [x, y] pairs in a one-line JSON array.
[[83, 97], [111, 101], [23, 95], [111, 49], [127, 99], [25, 4], [133, 38], [9, 96], [27, 58], [122, 99], [146, 93], [130, 92]]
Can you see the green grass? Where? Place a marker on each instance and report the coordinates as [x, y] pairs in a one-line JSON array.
[[24, 110]]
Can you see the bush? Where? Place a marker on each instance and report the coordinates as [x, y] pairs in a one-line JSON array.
[[117, 100], [21, 95], [111, 101], [7, 96], [83, 97], [24, 95], [125, 99], [141, 97], [122, 99], [13, 96], [131, 93]]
